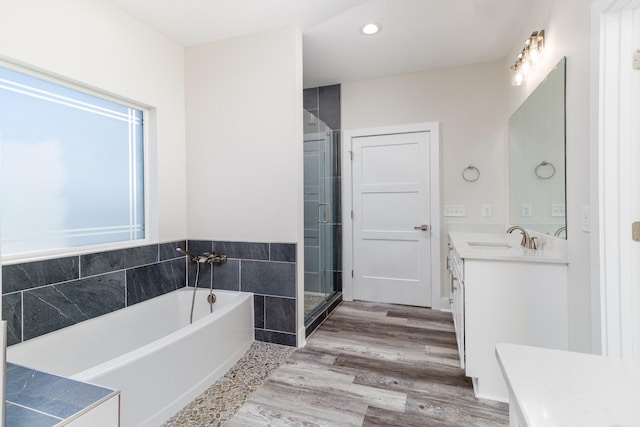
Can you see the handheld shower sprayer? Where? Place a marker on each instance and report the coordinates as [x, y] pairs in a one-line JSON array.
[[207, 257], [188, 254]]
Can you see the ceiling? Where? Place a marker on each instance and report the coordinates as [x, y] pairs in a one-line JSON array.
[[417, 34]]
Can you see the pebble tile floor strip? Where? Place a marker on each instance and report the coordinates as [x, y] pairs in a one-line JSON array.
[[223, 399], [312, 300]]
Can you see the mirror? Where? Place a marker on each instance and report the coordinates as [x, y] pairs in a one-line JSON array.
[[537, 193]]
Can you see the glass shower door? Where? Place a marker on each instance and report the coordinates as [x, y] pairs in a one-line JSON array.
[[319, 203]]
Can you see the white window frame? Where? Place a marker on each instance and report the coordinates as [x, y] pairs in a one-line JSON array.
[[148, 119]]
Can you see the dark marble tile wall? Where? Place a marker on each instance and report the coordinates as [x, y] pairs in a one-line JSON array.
[[266, 269], [44, 296], [325, 103]]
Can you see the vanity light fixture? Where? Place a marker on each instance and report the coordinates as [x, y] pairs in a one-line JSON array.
[[371, 29], [531, 54]]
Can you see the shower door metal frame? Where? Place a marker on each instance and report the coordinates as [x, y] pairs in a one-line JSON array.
[[324, 208]]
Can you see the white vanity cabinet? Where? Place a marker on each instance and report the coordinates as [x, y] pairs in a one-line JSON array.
[[508, 295]]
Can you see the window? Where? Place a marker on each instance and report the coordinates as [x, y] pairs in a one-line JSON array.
[[72, 167]]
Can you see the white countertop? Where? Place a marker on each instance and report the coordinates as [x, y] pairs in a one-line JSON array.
[[561, 388], [506, 247]]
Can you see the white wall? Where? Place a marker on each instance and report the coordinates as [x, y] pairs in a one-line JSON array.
[[244, 133], [244, 124], [566, 24], [469, 102], [96, 45]]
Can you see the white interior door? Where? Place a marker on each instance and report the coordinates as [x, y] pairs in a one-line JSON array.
[[391, 218]]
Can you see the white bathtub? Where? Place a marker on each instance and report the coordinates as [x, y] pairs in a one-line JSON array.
[[149, 351]]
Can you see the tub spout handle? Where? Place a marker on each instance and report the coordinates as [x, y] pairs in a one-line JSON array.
[[188, 254]]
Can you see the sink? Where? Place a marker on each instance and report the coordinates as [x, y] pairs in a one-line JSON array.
[[489, 245]]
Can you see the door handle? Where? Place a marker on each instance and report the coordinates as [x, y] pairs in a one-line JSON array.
[[326, 213], [422, 227]]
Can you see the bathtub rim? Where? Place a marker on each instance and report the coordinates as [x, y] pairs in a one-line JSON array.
[[89, 374]]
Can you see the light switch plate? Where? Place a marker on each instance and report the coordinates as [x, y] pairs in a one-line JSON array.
[[455, 210]]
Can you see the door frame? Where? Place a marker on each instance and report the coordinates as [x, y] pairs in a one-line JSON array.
[[347, 202], [614, 297]]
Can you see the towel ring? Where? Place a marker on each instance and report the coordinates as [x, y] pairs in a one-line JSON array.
[[540, 170], [471, 173]]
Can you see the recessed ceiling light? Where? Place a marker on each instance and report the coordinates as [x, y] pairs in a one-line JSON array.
[[371, 29]]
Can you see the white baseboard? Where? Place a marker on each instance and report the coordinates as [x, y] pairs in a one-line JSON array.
[[443, 304], [302, 339]]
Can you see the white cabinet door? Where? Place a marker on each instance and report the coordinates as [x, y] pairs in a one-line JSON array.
[[510, 302], [390, 199]]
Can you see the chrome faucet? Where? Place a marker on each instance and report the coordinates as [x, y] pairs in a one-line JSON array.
[[527, 241], [212, 258]]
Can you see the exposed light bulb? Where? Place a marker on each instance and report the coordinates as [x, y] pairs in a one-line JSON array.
[[526, 67], [516, 77], [531, 54]]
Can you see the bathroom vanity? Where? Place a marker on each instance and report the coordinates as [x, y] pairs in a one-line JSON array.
[[503, 293]]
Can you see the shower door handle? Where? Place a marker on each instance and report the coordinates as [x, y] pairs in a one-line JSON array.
[[326, 213]]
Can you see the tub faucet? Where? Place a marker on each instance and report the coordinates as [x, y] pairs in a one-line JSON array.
[[527, 241], [212, 258]]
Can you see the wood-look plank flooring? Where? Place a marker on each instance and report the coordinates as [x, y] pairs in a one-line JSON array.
[[373, 365]]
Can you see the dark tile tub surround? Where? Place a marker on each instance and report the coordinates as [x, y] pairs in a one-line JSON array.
[[43, 296], [266, 269], [36, 398]]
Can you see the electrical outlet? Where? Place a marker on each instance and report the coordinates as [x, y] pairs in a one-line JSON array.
[[636, 59], [487, 209], [557, 209], [454, 210], [525, 210]]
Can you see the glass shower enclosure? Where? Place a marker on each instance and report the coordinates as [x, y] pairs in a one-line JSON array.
[[321, 208]]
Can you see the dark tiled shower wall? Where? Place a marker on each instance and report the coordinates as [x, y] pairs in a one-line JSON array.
[[266, 269], [43, 296], [324, 103]]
